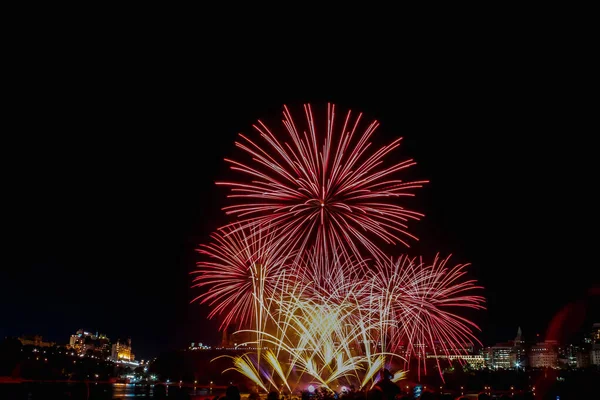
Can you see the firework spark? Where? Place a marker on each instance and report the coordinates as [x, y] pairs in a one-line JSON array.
[[326, 340], [421, 301], [243, 267], [331, 191], [402, 310]]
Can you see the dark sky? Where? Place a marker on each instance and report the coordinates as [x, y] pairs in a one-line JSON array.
[[112, 159]]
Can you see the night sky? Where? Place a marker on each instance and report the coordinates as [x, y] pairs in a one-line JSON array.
[[111, 166]]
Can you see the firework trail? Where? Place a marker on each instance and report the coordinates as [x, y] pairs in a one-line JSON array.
[[331, 191], [243, 267], [422, 302], [322, 340]]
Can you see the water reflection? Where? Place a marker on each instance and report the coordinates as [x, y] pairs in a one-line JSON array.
[[100, 391], [121, 390]]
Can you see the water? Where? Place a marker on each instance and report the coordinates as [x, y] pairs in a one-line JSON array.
[[93, 391]]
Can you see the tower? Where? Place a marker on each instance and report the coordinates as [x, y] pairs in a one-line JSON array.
[[224, 340], [519, 338], [518, 352]]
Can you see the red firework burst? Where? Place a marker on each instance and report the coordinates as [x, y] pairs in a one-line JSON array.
[[422, 300], [330, 191], [241, 266]]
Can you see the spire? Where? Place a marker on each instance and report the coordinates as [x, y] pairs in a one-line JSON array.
[[224, 340]]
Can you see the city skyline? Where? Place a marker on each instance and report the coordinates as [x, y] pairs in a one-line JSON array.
[[589, 335], [112, 242]]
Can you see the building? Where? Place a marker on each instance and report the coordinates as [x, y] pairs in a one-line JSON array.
[[199, 346], [231, 339], [567, 355], [544, 355], [583, 358], [499, 356], [518, 354], [453, 348], [34, 340], [84, 342], [475, 361], [595, 354], [122, 352], [595, 335], [508, 355]]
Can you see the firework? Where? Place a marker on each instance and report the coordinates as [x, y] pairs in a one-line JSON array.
[[301, 269], [331, 191], [243, 268], [420, 302], [403, 309], [327, 340]]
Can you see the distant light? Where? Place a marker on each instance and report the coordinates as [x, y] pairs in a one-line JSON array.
[[311, 389], [344, 389]]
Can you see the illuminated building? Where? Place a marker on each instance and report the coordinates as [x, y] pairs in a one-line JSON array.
[[76, 342], [199, 346], [498, 356], [34, 340], [122, 352], [508, 355], [567, 355], [453, 348], [518, 354], [583, 358], [595, 354], [596, 333], [83, 341], [544, 355], [475, 361]]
